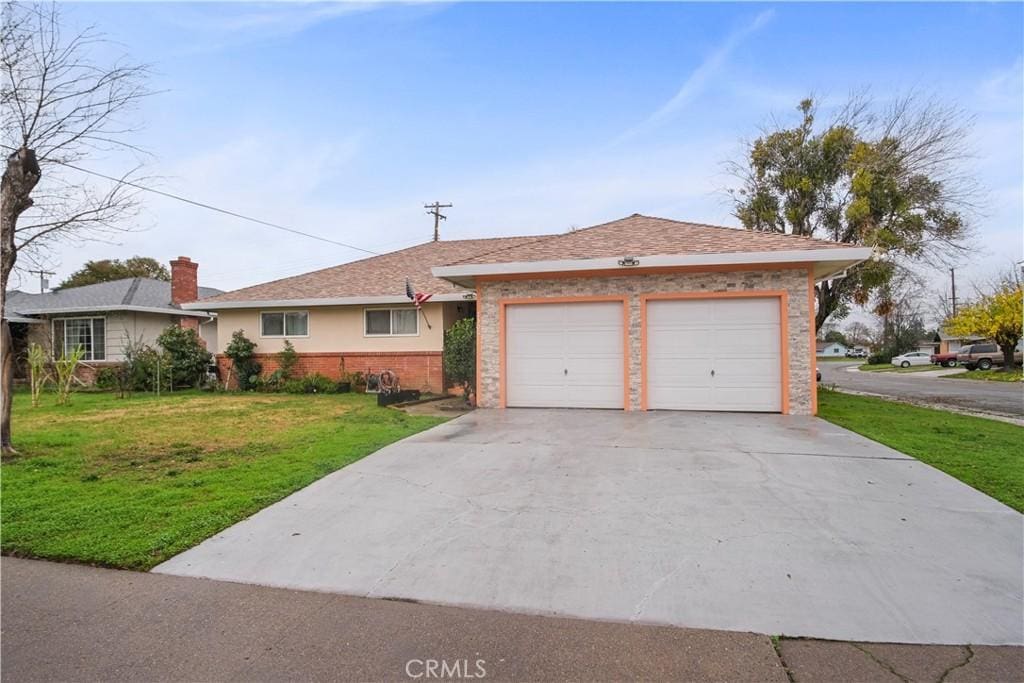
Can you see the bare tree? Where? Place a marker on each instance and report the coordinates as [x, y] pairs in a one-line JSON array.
[[59, 107]]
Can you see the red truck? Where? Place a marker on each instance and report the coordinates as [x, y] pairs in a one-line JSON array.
[[946, 359]]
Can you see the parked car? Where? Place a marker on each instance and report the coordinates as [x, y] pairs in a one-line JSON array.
[[946, 359], [856, 353], [912, 358], [983, 356]]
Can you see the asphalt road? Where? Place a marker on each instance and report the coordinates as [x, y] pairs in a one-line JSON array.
[[997, 398]]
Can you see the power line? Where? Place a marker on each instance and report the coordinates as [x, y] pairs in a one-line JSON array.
[[210, 207]]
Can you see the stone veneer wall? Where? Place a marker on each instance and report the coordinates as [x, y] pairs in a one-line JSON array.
[[794, 281]]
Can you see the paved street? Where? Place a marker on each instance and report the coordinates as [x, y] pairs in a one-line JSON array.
[[998, 398], [70, 622]]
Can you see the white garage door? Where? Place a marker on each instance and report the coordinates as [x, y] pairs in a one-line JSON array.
[[714, 354], [564, 355]]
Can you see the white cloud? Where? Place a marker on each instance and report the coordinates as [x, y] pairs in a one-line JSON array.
[[698, 79]]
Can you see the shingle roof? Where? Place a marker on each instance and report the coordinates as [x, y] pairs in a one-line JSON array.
[[639, 235], [383, 275], [132, 291]]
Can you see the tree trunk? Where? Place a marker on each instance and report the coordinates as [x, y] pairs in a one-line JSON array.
[[19, 179], [1008, 364]]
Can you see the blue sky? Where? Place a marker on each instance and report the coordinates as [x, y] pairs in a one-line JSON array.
[[344, 119]]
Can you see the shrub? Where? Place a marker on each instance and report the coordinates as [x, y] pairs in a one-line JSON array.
[[106, 378], [314, 383], [879, 358], [242, 352], [65, 367], [286, 360], [460, 355], [38, 374], [188, 357]]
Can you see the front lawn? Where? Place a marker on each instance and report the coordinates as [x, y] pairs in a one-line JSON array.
[[996, 375], [985, 454], [131, 482]]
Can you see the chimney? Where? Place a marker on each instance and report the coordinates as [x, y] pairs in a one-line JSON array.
[[184, 281]]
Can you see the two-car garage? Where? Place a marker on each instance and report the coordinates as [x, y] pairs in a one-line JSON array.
[[696, 352]]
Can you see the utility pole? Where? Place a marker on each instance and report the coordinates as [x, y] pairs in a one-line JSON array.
[[435, 211], [43, 282], [952, 280]]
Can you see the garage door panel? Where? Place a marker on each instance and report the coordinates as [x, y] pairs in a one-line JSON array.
[[564, 355], [737, 338]]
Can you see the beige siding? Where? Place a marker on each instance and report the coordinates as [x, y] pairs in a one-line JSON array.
[[121, 328], [331, 329], [794, 282]]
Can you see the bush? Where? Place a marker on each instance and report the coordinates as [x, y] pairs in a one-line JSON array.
[[314, 383], [242, 353], [879, 359], [106, 378], [286, 360], [187, 355], [459, 357]]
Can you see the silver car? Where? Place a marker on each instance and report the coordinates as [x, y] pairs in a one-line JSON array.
[[912, 358]]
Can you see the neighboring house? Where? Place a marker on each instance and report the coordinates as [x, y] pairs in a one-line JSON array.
[[927, 346], [639, 313], [830, 349], [104, 317], [949, 343]]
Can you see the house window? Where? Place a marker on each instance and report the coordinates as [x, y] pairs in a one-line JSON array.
[[391, 322], [89, 333], [284, 324]]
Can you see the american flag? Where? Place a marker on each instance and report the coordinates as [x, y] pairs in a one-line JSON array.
[[418, 298]]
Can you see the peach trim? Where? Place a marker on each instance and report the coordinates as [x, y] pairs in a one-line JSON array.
[[814, 341], [783, 297], [476, 380], [502, 303], [623, 272]]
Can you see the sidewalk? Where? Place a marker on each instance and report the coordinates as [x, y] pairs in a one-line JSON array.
[[69, 622]]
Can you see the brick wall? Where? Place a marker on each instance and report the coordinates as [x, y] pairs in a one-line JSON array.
[[799, 320], [415, 369]]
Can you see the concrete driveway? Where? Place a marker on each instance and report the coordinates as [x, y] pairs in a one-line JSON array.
[[765, 523]]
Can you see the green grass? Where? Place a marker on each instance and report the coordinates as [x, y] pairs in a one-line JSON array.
[[131, 482], [985, 454], [836, 359], [889, 367], [996, 375]]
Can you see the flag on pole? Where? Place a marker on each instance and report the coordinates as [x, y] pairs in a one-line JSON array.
[[418, 298]]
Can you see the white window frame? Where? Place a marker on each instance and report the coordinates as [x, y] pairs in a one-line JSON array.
[[284, 325], [391, 320], [91, 357]]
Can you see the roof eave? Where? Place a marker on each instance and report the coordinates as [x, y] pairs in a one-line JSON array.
[[826, 263], [322, 301], [103, 309]]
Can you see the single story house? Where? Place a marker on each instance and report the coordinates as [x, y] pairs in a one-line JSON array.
[[927, 346], [635, 314], [949, 343], [830, 349], [104, 317]]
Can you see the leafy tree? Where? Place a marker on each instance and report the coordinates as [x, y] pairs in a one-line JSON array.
[[996, 316], [188, 357], [460, 355], [242, 352], [107, 270], [889, 179], [836, 337]]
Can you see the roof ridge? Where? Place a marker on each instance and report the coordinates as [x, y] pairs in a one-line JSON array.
[[726, 227], [132, 288]]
